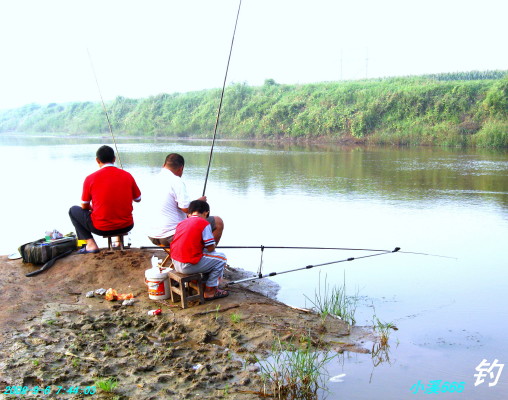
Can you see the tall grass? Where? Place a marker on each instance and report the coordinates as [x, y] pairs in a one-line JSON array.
[[294, 371], [493, 134], [335, 301], [387, 110]]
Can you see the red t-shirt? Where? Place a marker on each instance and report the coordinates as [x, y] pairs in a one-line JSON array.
[[190, 239], [111, 191]]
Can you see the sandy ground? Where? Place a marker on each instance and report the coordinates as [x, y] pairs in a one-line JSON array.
[[52, 335]]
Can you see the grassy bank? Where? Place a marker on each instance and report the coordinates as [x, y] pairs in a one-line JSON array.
[[464, 109]]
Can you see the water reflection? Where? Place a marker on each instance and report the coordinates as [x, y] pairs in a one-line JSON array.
[[409, 175]]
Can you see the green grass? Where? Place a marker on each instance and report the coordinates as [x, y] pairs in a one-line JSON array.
[[294, 371], [427, 110], [384, 329], [235, 318], [335, 301], [107, 384]]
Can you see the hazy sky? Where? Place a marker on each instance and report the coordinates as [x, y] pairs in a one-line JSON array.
[[142, 48]]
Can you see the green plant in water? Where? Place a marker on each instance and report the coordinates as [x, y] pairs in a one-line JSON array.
[[235, 318], [107, 385], [335, 301], [383, 328], [294, 372]]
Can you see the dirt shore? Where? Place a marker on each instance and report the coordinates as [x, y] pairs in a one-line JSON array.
[[51, 334]]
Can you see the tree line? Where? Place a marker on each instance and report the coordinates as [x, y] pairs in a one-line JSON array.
[[459, 109]]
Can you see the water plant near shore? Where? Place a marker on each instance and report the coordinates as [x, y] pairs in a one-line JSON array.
[[335, 301], [384, 329], [294, 371]]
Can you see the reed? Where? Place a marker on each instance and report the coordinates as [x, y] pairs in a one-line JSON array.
[[294, 371], [335, 301], [384, 329]]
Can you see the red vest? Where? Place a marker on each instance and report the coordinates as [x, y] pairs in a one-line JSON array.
[[187, 245]]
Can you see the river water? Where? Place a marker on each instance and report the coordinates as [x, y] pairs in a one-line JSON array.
[[450, 307]]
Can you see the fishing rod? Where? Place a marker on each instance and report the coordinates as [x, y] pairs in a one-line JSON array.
[[262, 248], [328, 248], [104, 108], [221, 98], [261, 276]]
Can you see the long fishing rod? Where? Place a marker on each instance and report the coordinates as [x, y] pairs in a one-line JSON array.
[[104, 108], [261, 247], [260, 276], [328, 248], [221, 98]]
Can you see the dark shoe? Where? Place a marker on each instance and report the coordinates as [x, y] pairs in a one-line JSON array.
[[83, 250]]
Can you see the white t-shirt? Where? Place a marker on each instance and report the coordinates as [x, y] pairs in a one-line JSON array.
[[170, 196]]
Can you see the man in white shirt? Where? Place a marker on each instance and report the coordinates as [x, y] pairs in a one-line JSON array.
[[172, 204]]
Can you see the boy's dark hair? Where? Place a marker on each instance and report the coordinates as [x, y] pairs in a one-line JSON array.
[[174, 161], [200, 206], [105, 154]]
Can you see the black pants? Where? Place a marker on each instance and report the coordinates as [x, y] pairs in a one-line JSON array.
[[82, 222]]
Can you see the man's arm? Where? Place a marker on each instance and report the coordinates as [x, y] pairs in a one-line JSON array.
[[186, 210]]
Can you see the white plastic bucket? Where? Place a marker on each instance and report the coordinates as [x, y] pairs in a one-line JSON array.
[[158, 284]]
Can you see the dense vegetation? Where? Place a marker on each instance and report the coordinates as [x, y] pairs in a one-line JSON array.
[[466, 109]]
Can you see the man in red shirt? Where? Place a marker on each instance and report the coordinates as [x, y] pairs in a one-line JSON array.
[[106, 202], [193, 249]]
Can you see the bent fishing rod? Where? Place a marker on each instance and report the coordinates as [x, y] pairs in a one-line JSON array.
[[104, 108], [221, 98], [261, 276]]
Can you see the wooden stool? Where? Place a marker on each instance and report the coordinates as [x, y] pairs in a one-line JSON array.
[[168, 259], [120, 241], [180, 285]]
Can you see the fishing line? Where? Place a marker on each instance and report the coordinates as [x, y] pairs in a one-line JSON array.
[[328, 248], [221, 98], [104, 107], [260, 276]]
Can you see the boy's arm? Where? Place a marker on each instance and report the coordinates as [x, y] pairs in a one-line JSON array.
[[208, 239]]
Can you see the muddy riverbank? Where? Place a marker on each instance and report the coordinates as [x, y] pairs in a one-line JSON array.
[[52, 335]]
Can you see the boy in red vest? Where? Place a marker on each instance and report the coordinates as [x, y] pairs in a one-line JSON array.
[[193, 249]]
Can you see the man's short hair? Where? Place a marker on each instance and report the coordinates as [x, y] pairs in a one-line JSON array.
[[106, 154], [174, 161], [199, 205]]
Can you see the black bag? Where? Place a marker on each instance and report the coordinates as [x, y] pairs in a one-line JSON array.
[[40, 251]]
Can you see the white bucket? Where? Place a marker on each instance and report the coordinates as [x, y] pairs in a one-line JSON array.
[[158, 284]]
